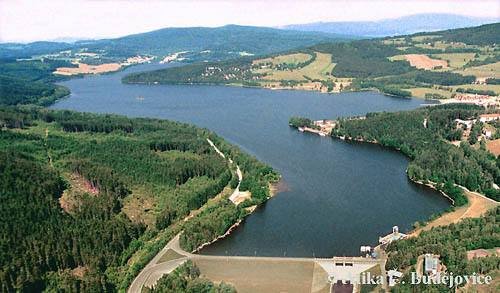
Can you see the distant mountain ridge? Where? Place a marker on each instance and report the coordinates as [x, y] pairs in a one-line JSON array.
[[229, 38], [391, 27]]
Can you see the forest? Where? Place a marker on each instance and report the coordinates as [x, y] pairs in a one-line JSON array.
[[73, 186], [451, 243], [30, 82], [433, 157]]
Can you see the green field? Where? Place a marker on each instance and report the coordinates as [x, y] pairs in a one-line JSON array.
[[318, 69], [489, 70]]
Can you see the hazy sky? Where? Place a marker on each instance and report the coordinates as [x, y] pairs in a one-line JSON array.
[[23, 20]]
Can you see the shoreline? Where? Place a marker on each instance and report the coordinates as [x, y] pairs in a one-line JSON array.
[[280, 88], [273, 187], [446, 213]]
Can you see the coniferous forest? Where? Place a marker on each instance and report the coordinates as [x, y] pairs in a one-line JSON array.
[[82, 194]]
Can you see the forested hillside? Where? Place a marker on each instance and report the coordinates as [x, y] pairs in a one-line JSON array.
[[428, 65], [219, 42], [86, 198], [230, 38], [30, 82], [424, 135]]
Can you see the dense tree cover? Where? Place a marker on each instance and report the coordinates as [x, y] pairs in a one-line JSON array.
[[209, 73], [213, 221], [43, 245], [229, 38], [474, 91], [493, 81], [15, 91], [37, 237], [33, 70], [300, 122], [28, 82], [481, 35], [362, 59], [433, 158], [186, 279], [417, 78], [451, 243]]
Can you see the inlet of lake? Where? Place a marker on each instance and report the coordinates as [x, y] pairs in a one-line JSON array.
[[338, 195]]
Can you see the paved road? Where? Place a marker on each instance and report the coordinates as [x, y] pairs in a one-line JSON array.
[[154, 270]]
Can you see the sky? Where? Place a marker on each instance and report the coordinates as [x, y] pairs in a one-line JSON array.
[[30, 20]]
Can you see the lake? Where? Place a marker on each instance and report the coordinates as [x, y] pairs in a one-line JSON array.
[[338, 195]]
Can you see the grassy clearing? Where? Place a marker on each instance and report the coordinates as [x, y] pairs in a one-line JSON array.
[[421, 91], [427, 38], [488, 70], [288, 59], [455, 60], [395, 41], [316, 70]]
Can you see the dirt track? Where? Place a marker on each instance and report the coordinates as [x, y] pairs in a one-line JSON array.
[[478, 206]]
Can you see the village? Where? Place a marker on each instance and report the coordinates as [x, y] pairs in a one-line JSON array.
[[482, 129]]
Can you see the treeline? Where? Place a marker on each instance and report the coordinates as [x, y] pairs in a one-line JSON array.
[[451, 243], [88, 248], [479, 62], [395, 85], [476, 92], [423, 135], [481, 35], [186, 279]]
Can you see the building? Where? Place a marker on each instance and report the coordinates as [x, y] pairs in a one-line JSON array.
[[431, 264], [489, 117]]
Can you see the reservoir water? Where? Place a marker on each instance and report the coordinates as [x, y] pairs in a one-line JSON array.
[[338, 195]]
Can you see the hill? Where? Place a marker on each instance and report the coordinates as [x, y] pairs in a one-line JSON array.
[[87, 200], [214, 43], [436, 65], [229, 38], [392, 27]]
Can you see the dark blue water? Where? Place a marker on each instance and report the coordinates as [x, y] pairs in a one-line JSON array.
[[340, 195]]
